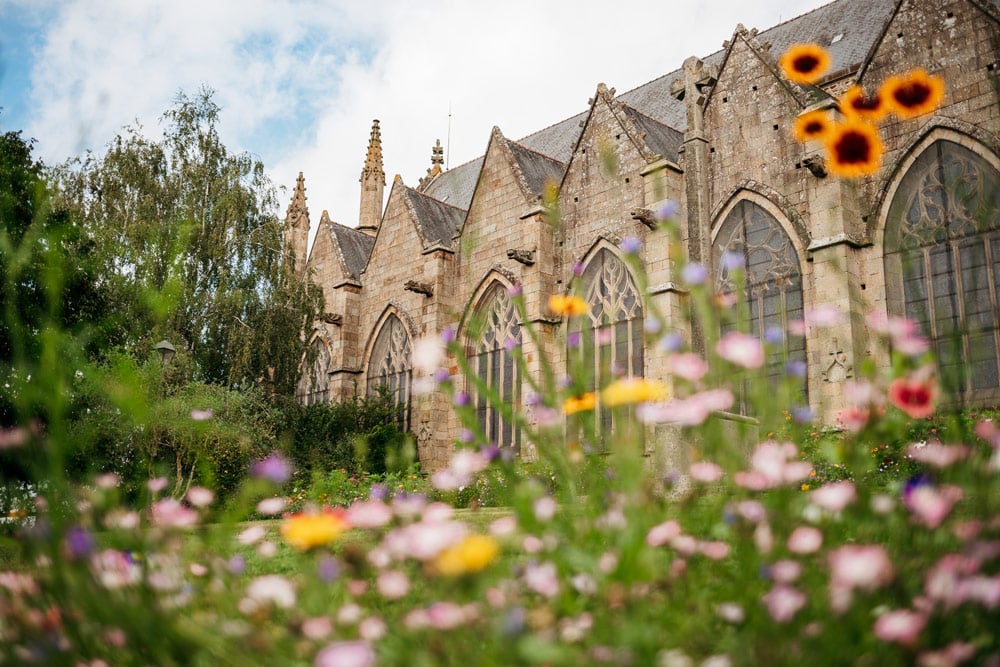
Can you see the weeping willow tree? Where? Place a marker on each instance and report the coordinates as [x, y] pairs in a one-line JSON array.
[[192, 249]]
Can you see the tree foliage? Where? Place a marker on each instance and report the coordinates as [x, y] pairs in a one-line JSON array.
[[192, 250]]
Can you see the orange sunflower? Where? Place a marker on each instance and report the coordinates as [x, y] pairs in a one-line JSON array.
[[804, 63], [854, 103], [853, 149], [913, 94], [812, 125]]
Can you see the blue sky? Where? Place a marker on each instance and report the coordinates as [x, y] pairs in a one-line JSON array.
[[300, 82]]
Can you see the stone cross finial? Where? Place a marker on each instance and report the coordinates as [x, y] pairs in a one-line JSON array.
[[437, 154]]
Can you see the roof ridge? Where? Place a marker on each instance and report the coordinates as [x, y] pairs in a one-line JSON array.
[[549, 127], [435, 199], [532, 150]]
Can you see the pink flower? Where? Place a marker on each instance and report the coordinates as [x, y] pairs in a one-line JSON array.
[[937, 454], [741, 349], [716, 550], [825, 315], [783, 602], [545, 508], [834, 497], [199, 496], [900, 625], [346, 654], [542, 578], [168, 513], [853, 418], [930, 504], [857, 566], [751, 510], [687, 365], [274, 589], [706, 471], [915, 395], [951, 655], [157, 484], [369, 514], [440, 616], [270, 506], [805, 540], [393, 584], [428, 354], [786, 571]]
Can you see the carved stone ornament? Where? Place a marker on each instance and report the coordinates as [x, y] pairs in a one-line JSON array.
[[424, 434], [526, 257], [420, 288], [839, 369], [815, 165], [333, 318], [645, 216]]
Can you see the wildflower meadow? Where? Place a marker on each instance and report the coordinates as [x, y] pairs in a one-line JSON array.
[[784, 541]]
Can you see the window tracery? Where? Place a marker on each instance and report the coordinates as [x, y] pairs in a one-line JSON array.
[[314, 384], [497, 332], [943, 248], [773, 281], [389, 368]]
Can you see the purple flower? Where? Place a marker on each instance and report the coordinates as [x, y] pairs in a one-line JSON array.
[[462, 399], [573, 339], [774, 335], [652, 325], [466, 435], [631, 244], [441, 375], [732, 261], [237, 565], [796, 368], [510, 344], [670, 342], [448, 335], [275, 468], [378, 492], [802, 414], [578, 269], [515, 290], [79, 543], [694, 273], [328, 569], [668, 210], [490, 452]]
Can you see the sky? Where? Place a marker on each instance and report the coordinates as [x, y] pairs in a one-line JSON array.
[[299, 82]]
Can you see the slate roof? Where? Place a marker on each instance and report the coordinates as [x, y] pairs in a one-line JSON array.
[[855, 24], [355, 247], [438, 221], [536, 168], [663, 140]]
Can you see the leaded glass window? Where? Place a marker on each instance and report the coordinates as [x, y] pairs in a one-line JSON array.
[[943, 245], [496, 333], [610, 336], [389, 369], [773, 282], [314, 384]]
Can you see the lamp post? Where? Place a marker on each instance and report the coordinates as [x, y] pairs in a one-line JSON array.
[[166, 350]]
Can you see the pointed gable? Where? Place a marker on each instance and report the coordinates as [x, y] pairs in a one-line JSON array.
[[354, 246], [536, 169], [437, 222], [339, 253], [455, 186]]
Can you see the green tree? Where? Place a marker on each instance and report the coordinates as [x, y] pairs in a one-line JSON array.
[[192, 249]]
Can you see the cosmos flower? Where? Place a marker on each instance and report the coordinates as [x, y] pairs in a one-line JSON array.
[[567, 304], [581, 403], [915, 395], [900, 625], [741, 349], [355, 653], [804, 63], [913, 94], [627, 391], [814, 124], [855, 103], [854, 149], [473, 553], [306, 531]]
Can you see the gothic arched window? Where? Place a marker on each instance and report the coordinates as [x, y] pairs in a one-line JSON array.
[[610, 336], [773, 281], [314, 384], [942, 263], [389, 369], [494, 333]]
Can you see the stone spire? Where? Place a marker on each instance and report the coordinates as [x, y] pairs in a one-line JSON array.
[[372, 183], [437, 159], [297, 225]]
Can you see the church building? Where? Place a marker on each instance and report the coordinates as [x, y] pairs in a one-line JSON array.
[[920, 237]]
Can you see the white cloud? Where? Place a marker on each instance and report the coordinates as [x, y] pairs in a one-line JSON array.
[[300, 84]]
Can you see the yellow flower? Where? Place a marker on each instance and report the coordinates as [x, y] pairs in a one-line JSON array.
[[568, 304], [804, 63], [854, 103], [633, 390], [804, 487], [812, 125], [472, 554], [854, 149], [913, 94], [314, 529], [580, 403]]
